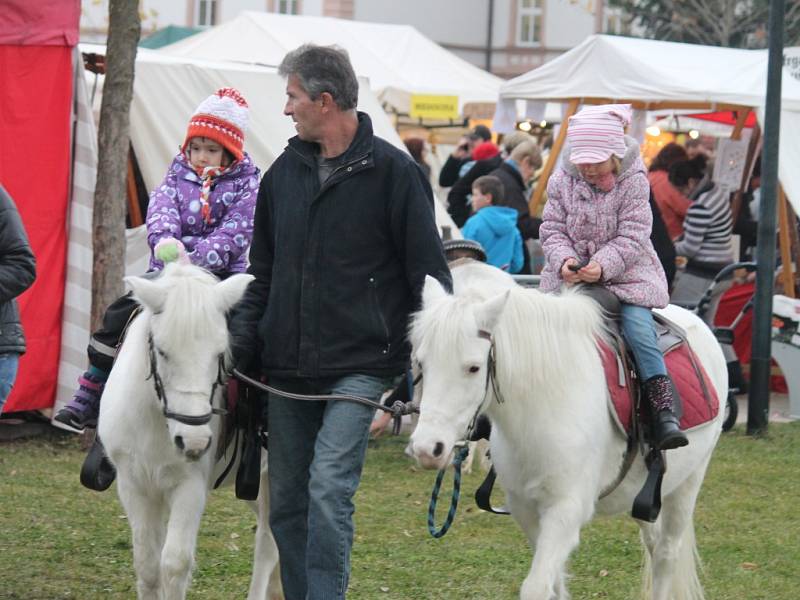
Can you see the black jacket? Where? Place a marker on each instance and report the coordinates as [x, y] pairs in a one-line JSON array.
[[662, 243], [457, 198], [340, 266], [17, 273], [516, 198], [449, 173]]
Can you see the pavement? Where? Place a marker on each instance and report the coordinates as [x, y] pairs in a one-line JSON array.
[[778, 408]]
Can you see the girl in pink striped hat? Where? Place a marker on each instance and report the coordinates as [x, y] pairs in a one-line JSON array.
[[596, 230]]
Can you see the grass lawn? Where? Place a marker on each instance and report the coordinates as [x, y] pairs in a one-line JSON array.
[[59, 540]]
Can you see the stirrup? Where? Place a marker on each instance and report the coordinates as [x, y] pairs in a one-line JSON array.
[[97, 472]]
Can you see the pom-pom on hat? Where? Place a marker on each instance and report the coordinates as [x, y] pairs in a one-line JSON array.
[[597, 132], [485, 150], [221, 117]]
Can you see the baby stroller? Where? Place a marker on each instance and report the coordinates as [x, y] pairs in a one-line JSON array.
[[725, 336]]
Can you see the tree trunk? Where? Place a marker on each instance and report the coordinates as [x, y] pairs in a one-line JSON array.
[[108, 226]]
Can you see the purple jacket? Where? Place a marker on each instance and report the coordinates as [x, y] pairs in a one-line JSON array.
[[611, 228], [174, 211]]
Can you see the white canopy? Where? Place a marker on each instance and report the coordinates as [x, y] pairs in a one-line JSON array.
[[168, 89], [397, 59], [654, 73]]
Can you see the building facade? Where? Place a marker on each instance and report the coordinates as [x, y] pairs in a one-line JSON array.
[[506, 37]]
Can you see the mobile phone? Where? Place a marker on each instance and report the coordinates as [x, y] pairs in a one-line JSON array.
[[577, 267]]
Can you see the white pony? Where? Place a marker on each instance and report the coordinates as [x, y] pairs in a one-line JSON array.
[[163, 442], [554, 444]]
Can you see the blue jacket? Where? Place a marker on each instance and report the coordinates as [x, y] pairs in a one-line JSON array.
[[495, 228]]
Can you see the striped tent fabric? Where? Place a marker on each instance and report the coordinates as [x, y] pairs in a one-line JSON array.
[[78, 290]]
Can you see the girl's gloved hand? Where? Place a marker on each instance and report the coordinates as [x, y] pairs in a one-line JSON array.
[[170, 250]]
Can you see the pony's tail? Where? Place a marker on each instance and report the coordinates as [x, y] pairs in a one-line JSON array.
[[685, 579]]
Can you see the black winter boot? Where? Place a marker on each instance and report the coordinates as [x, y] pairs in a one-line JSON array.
[[665, 426]]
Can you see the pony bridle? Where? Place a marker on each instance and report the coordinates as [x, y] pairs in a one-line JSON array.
[[491, 379], [162, 394]]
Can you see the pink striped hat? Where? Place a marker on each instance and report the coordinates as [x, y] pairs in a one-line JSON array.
[[597, 132]]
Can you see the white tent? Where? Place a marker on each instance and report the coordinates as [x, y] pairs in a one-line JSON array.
[[654, 75], [166, 92], [397, 59]]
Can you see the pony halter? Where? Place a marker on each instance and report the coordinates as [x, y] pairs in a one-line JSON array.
[[162, 395]]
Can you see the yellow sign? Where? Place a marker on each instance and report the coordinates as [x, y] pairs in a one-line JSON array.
[[426, 106]]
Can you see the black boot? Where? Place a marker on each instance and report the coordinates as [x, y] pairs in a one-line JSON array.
[[665, 426]]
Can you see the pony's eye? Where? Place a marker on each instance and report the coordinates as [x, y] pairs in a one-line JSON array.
[[161, 353], [474, 369]]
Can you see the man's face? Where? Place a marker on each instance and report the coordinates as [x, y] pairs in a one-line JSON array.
[[305, 112]]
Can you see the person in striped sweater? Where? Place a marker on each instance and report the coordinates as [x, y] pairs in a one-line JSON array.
[[706, 243]]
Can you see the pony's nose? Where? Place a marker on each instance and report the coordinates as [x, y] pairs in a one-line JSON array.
[[179, 442]]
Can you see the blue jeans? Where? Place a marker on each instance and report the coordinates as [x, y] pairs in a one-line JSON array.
[[8, 374], [640, 334], [316, 453]]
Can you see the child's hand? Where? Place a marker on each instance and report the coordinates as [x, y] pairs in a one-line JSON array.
[[591, 272], [169, 250], [570, 275]]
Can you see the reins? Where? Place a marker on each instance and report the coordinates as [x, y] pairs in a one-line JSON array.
[[397, 409]]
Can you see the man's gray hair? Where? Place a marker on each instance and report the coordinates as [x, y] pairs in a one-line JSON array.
[[323, 69]]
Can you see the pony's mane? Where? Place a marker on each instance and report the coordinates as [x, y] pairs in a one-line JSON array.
[[549, 337], [190, 310], [541, 339]]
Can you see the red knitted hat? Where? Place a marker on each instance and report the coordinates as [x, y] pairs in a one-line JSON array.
[[221, 117], [485, 150]]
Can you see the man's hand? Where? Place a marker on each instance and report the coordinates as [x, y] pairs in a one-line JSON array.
[[463, 149]]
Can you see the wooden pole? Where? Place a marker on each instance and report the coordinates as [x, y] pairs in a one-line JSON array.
[[541, 185], [752, 152], [787, 272], [134, 212], [793, 237], [741, 117]]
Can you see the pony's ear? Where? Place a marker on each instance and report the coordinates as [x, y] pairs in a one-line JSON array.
[[432, 291], [148, 292], [488, 313], [230, 291]]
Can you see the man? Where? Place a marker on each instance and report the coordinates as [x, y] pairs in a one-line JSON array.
[[344, 237], [462, 154], [515, 173]]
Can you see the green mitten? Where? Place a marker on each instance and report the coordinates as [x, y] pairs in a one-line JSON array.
[[169, 250]]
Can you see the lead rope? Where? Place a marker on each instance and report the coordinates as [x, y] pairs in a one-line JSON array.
[[451, 514], [463, 451]]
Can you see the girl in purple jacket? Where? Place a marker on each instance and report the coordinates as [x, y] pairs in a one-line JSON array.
[[201, 213], [596, 229]]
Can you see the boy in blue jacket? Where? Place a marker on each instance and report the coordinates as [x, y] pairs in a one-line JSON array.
[[494, 227]]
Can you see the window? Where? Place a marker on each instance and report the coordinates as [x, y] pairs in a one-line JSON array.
[[529, 32], [615, 22], [206, 13], [287, 7]]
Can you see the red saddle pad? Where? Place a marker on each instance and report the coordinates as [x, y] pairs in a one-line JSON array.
[[698, 407]]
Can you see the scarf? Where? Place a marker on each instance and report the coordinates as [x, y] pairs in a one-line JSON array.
[[207, 175]]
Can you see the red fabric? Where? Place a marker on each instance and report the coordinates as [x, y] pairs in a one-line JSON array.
[[727, 117], [39, 22], [696, 409], [730, 304], [35, 108]]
